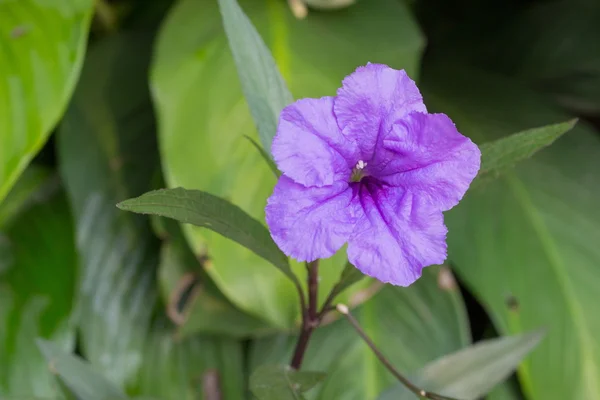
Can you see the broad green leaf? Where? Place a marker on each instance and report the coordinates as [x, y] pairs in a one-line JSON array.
[[282, 382], [527, 244], [43, 47], [197, 304], [472, 372], [504, 153], [412, 326], [205, 210], [263, 86], [107, 154], [79, 376], [38, 265], [110, 115], [203, 118], [551, 47]]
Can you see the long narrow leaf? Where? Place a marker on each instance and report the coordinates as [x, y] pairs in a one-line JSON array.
[[472, 372], [501, 154], [78, 375], [262, 84], [205, 210]]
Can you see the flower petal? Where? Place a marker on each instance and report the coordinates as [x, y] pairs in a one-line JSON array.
[[310, 222], [309, 146], [427, 155], [371, 100], [397, 236]]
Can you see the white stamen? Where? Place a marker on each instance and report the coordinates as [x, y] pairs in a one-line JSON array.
[[361, 164]]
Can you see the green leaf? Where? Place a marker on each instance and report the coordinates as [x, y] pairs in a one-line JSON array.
[[528, 48], [472, 372], [506, 391], [350, 275], [262, 84], [24, 193], [38, 264], [282, 382], [191, 367], [78, 375], [44, 44], [536, 227], [412, 326], [105, 129], [208, 211], [203, 118], [504, 153], [108, 132]]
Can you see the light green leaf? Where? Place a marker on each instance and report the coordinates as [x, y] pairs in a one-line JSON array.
[[108, 132], [282, 382], [504, 153], [44, 44], [262, 84], [412, 326], [78, 375], [203, 118], [472, 372], [208, 211], [536, 227]]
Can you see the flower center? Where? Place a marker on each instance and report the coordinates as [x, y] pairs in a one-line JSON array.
[[358, 171]]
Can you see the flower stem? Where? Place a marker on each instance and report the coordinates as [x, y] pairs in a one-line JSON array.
[[310, 318], [343, 309]]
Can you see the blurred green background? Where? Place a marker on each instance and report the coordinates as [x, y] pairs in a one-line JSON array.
[[101, 101]]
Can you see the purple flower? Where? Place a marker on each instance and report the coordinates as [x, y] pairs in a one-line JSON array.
[[371, 168]]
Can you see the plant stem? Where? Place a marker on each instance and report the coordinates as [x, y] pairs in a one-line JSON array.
[[310, 318], [343, 309]]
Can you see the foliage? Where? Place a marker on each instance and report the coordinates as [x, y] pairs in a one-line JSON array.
[[135, 165]]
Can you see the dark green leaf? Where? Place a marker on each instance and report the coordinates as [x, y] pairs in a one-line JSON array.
[[38, 265], [504, 153], [535, 228], [208, 211], [78, 375], [282, 382], [43, 48], [105, 129], [472, 372], [109, 132], [262, 84], [412, 326], [27, 191]]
